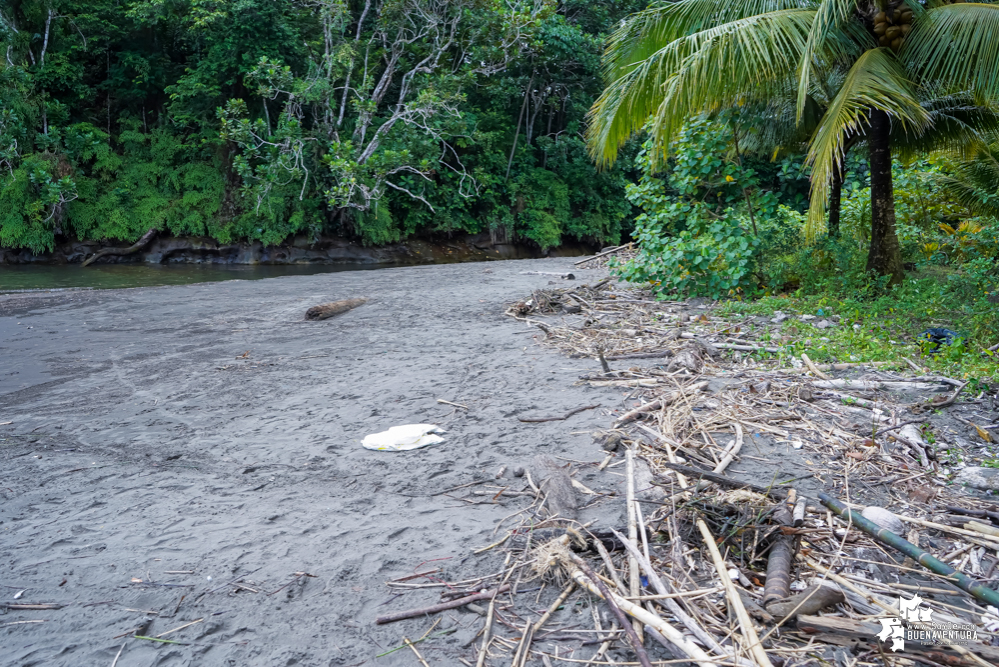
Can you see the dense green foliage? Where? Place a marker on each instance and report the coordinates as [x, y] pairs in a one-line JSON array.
[[262, 119]]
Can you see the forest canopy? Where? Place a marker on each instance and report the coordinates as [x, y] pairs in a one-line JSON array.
[[257, 120]]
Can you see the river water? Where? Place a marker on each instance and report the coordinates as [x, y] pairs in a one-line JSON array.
[[16, 278]]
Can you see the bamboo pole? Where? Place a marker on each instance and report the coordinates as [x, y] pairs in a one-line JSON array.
[[977, 590], [754, 647]]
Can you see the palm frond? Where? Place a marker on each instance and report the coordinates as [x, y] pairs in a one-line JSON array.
[[721, 66], [975, 183], [957, 45], [832, 23], [957, 125], [646, 32], [877, 81]]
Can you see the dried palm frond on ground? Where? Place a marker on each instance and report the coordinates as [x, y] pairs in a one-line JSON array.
[[728, 553]]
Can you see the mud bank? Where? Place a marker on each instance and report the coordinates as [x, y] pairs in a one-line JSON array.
[[166, 441], [300, 250]]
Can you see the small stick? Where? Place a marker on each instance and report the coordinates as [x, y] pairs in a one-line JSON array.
[[606, 557], [950, 399], [524, 650], [418, 656], [115, 662], [912, 365], [444, 606], [603, 361], [556, 419], [812, 367], [892, 428], [457, 405], [180, 628]]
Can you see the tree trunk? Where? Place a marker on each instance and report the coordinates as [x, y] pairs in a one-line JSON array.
[[885, 256], [835, 197]]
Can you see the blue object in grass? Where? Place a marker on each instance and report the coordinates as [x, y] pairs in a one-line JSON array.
[[937, 337]]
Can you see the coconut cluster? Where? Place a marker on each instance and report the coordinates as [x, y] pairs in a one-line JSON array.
[[892, 26]]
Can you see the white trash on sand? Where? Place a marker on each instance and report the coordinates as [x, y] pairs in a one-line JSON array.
[[403, 438]]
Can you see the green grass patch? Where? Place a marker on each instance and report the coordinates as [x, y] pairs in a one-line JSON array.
[[886, 327]]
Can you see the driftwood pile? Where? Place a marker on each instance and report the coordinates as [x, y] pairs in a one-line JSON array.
[[714, 568]]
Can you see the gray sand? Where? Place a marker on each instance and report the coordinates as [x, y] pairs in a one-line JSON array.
[[140, 444]]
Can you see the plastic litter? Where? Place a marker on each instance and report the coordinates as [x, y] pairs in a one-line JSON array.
[[937, 337], [403, 438]]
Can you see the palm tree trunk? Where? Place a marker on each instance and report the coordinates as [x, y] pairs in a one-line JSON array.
[[885, 256], [835, 197]]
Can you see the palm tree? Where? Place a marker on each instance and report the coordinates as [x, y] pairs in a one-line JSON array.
[[681, 58]]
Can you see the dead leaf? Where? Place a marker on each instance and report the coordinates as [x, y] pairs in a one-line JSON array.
[[985, 435]]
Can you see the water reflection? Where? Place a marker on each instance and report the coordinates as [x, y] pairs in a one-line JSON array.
[[15, 278]]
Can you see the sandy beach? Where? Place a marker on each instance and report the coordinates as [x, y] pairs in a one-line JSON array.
[[165, 441]]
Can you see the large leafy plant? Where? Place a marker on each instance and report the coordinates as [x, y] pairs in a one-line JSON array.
[[699, 231]]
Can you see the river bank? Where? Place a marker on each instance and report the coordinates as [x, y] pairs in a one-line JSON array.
[[166, 249], [164, 441]]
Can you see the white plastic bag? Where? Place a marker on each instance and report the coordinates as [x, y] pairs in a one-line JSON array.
[[403, 438]]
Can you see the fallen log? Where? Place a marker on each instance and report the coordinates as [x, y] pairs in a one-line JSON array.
[[444, 606], [130, 250], [602, 254], [326, 310]]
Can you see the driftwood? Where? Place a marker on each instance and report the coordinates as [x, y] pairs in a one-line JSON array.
[[132, 249], [808, 602], [721, 480], [875, 385], [325, 310], [444, 606], [660, 402], [849, 632], [603, 254], [536, 420], [563, 276], [556, 485]]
